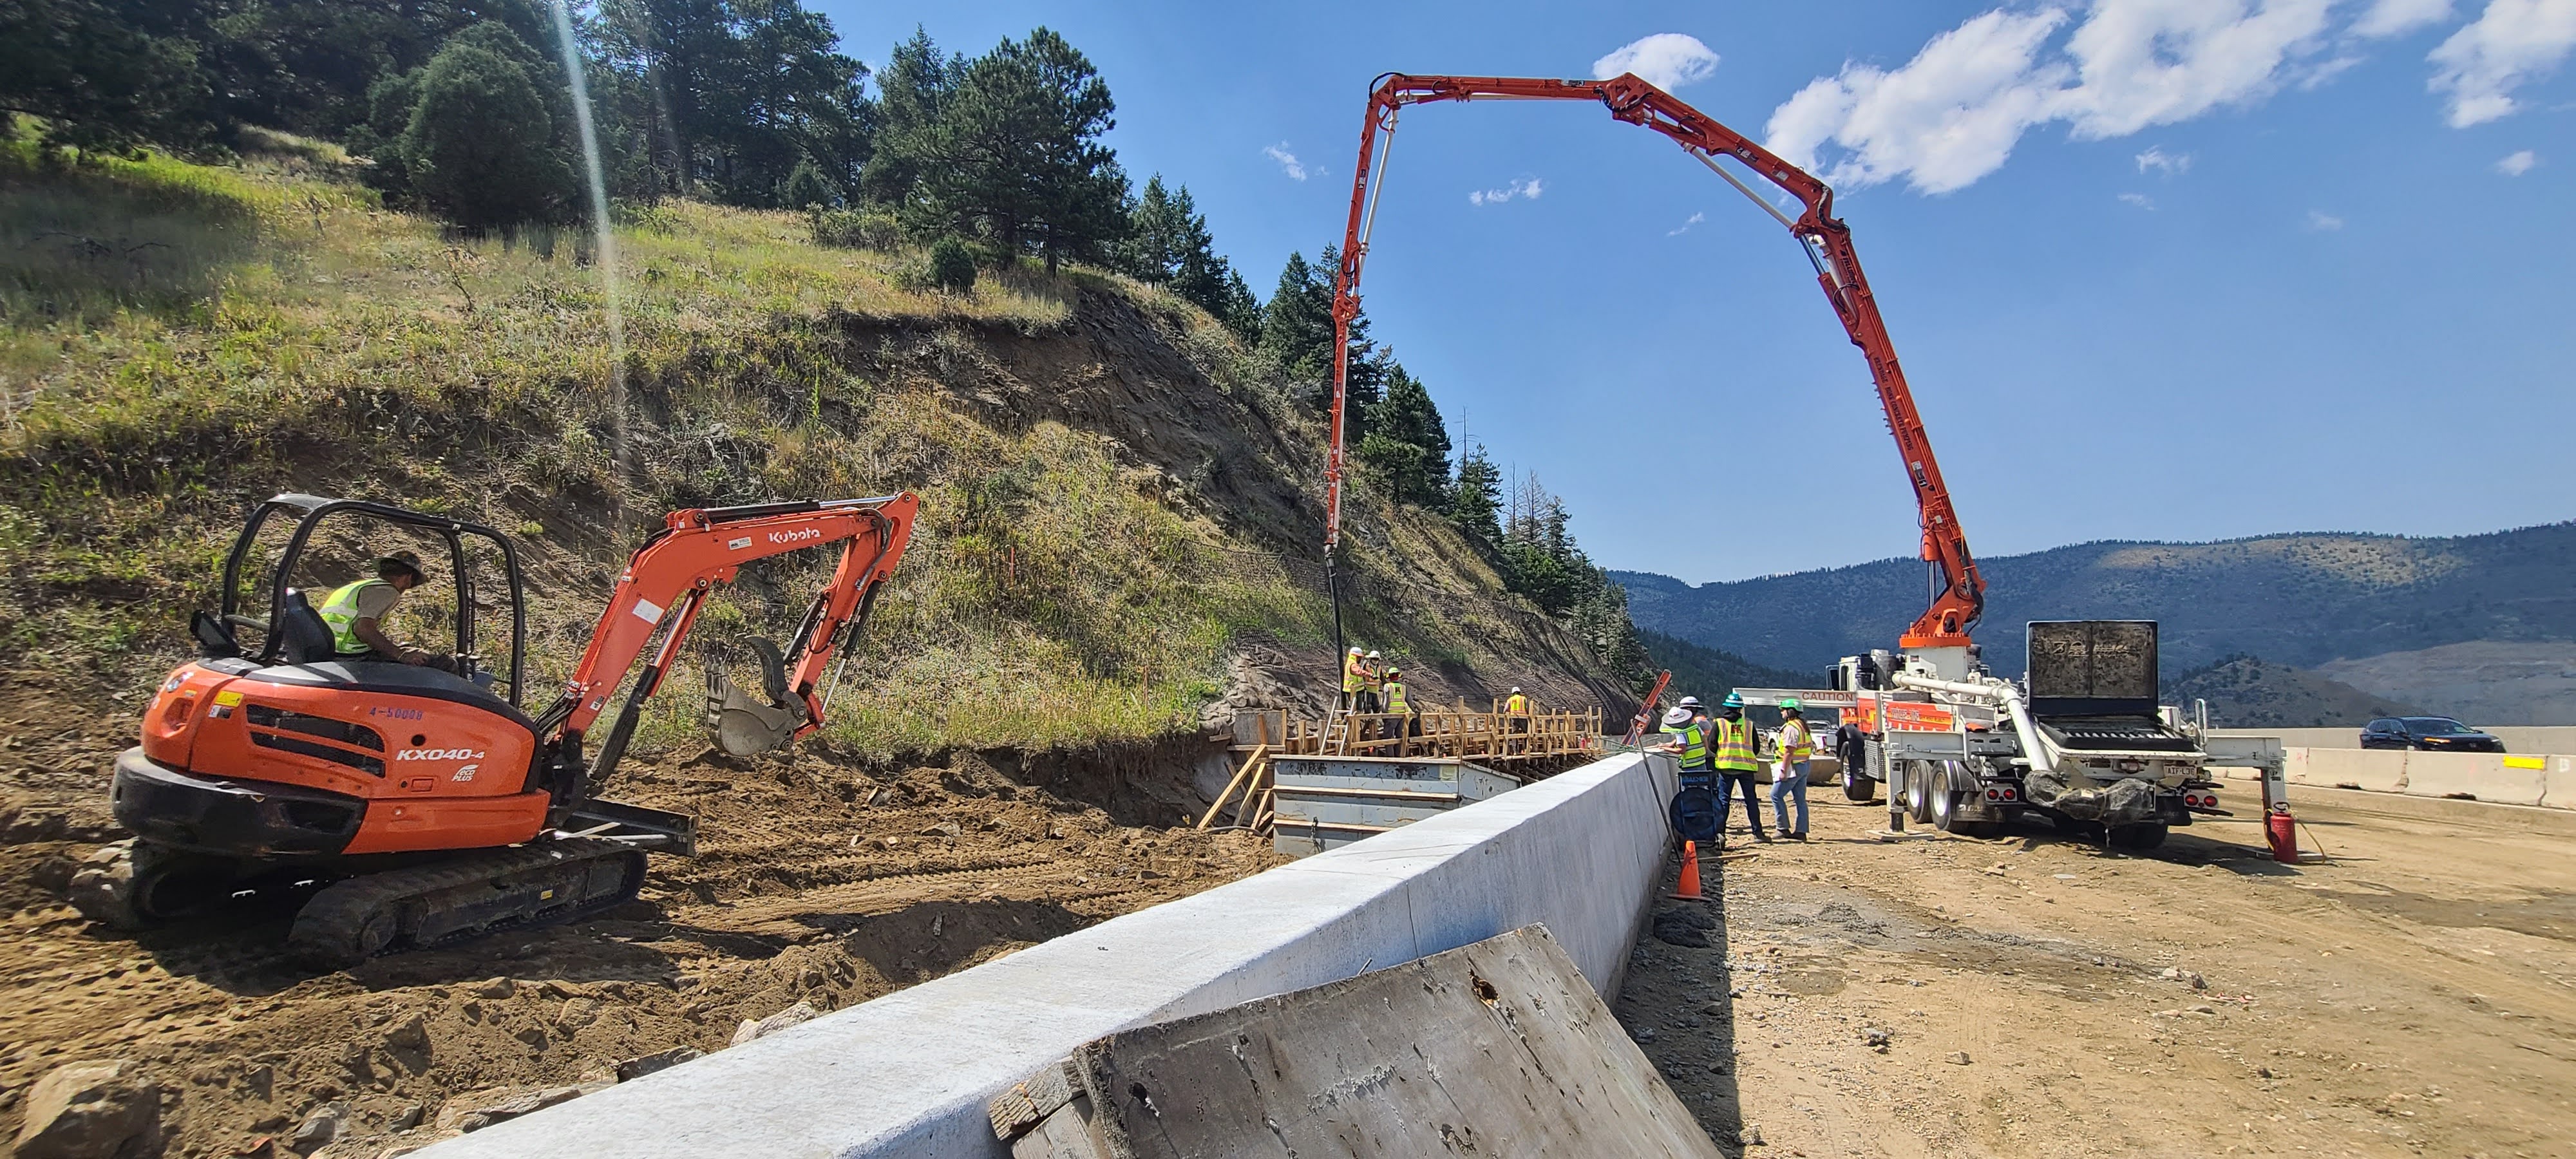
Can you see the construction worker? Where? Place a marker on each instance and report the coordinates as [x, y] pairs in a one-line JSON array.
[[356, 613], [1516, 717], [1403, 710], [1731, 750], [1796, 746], [1354, 679], [1373, 683], [1689, 733]]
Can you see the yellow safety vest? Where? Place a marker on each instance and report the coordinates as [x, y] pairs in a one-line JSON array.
[[1354, 674], [1518, 705], [340, 614], [1694, 745], [1395, 696], [1795, 744], [1734, 746]]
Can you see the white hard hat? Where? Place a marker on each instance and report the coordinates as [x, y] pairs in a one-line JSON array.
[[1355, 649], [1516, 688], [1677, 718], [1373, 654]]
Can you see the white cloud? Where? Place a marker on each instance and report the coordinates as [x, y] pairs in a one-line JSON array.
[[2140, 200], [1288, 163], [1684, 227], [1667, 60], [2511, 42], [2155, 62], [1946, 118], [1527, 187], [2323, 222], [1954, 113], [2169, 164], [2517, 164], [2399, 17]]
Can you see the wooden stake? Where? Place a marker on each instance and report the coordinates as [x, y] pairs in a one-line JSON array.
[[1249, 763]]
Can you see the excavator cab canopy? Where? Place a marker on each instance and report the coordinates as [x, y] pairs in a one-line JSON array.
[[288, 629]]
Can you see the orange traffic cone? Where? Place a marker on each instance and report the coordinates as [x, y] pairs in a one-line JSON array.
[[1687, 888]]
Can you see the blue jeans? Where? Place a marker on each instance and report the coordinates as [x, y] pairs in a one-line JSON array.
[[1790, 781], [1731, 784]]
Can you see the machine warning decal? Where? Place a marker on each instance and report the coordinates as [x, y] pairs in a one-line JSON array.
[[648, 611], [738, 544]]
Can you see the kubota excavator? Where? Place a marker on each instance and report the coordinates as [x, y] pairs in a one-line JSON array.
[[426, 805]]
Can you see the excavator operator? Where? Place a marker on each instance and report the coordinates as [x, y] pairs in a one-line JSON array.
[[356, 612]]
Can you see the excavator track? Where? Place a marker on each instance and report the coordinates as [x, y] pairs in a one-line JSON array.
[[479, 893]]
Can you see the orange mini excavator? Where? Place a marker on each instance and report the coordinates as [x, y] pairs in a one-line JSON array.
[[426, 806]]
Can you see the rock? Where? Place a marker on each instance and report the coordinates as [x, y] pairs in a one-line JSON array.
[[2262, 1072], [1751, 1135], [407, 1118], [1959, 1057], [1643, 1034], [318, 1128], [2204, 1009], [1713, 1008], [749, 1030], [577, 1013], [636, 1068], [479, 1109], [943, 829], [90, 1110], [409, 1034], [494, 988], [1876, 1038]]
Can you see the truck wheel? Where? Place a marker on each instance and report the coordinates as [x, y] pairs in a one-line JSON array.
[[2138, 838], [1918, 791], [1859, 788], [1940, 799]]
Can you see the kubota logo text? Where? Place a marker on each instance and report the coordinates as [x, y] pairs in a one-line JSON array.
[[796, 536], [439, 755]]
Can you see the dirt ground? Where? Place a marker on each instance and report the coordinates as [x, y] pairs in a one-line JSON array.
[[816, 883], [2416, 995]]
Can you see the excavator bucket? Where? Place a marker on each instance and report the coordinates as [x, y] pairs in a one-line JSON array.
[[745, 726]]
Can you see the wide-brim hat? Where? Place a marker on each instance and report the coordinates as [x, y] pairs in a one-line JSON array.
[[401, 561], [1677, 717]]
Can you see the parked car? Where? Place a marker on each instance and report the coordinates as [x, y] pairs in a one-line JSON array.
[[2438, 734]]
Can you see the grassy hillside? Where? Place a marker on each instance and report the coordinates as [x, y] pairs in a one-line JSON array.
[[2246, 692], [1117, 496], [2303, 600]]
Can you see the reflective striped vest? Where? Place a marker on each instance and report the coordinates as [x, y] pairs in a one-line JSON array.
[[1518, 705], [1395, 696], [1694, 745], [340, 614], [1354, 673], [1795, 744], [1733, 743]]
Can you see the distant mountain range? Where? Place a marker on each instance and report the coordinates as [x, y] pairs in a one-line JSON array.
[[2245, 692], [2359, 606]]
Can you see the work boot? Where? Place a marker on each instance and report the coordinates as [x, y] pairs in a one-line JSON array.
[[1762, 837]]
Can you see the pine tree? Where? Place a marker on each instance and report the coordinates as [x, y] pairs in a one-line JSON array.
[[1476, 503], [1297, 325], [806, 187], [912, 89], [1015, 154], [479, 145], [1405, 441]]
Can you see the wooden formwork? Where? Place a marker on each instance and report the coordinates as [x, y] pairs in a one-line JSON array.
[[1493, 737]]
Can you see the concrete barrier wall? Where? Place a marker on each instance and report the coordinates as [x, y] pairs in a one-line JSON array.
[[2544, 779], [909, 1073], [2517, 739]]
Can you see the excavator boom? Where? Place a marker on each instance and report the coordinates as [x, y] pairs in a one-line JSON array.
[[1825, 238]]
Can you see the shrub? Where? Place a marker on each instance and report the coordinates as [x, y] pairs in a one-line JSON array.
[[952, 265], [867, 229]]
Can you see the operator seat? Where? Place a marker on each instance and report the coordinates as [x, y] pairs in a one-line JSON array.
[[306, 638]]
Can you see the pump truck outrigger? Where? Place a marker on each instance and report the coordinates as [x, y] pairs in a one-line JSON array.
[[427, 806]]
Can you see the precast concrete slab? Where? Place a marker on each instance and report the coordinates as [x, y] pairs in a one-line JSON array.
[[909, 1074]]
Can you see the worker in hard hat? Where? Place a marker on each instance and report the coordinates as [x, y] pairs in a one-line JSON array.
[[1399, 706], [1354, 678], [1689, 733], [1795, 747], [1516, 718], [1731, 750]]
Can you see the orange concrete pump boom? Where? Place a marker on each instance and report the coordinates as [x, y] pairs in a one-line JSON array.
[[1827, 242]]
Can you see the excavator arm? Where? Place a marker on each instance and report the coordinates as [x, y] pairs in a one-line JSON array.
[[667, 582], [1827, 242]]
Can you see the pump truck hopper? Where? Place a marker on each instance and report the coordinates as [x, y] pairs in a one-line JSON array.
[[427, 806]]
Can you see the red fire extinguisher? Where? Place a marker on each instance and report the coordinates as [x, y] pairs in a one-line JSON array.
[[2282, 829]]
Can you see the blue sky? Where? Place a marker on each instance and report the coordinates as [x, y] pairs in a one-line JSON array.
[[2169, 269]]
